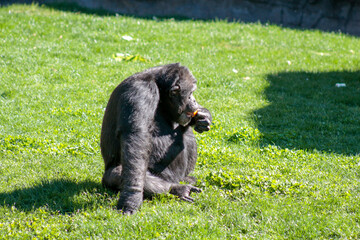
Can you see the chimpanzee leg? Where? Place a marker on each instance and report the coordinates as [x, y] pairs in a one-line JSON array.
[[112, 178], [153, 184], [189, 179]]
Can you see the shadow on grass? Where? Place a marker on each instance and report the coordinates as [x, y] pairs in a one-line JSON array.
[[132, 10], [64, 196], [76, 8], [307, 111]]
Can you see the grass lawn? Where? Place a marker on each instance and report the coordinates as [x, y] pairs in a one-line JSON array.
[[281, 160]]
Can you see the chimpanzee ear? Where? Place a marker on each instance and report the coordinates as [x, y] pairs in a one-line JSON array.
[[174, 90]]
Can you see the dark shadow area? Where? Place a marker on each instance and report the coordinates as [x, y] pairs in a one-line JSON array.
[[328, 16], [309, 111], [101, 12], [64, 196], [62, 6], [75, 8]]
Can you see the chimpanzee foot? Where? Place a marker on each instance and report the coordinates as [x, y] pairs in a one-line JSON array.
[[184, 191]]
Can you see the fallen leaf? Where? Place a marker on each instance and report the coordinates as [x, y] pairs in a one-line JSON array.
[[340, 85], [127, 38], [321, 53], [129, 58]]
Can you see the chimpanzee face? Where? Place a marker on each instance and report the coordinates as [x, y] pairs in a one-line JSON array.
[[181, 99]]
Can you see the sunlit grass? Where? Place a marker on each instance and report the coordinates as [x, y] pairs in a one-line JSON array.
[[281, 160]]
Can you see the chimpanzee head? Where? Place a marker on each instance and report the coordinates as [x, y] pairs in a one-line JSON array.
[[176, 93]]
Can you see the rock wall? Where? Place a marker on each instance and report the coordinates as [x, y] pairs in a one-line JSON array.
[[328, 15]]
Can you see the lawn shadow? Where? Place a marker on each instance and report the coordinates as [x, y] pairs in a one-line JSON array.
[[162, 13], [64, 196], [308, 111], [74, 7]]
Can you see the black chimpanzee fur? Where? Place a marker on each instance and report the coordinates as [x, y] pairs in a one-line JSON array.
[[147, 143]]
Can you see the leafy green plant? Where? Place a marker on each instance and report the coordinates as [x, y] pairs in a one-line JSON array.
[[245, 135]]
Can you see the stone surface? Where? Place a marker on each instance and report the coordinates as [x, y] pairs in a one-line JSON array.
[[328, 15]]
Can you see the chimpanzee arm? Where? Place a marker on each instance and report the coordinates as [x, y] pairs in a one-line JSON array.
[[137, 110], [134, 158]]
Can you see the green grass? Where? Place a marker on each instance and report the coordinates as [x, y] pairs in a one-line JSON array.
[[281, 160]]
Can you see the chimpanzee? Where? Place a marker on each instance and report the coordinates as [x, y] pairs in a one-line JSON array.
[[147, 142]]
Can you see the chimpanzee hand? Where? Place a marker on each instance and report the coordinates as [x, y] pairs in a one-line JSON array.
[[184, 191], [202, 120], [130, 202]]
